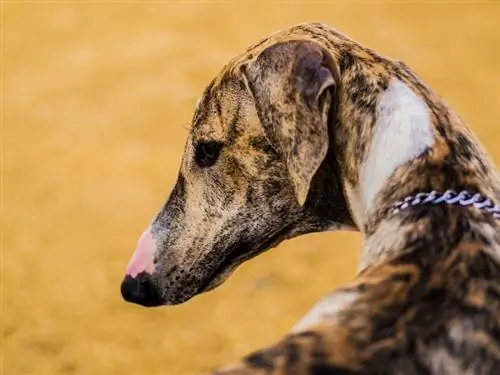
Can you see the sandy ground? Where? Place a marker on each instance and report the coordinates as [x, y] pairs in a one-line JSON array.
[[96, 101]]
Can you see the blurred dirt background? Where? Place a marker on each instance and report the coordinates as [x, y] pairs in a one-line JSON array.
[[96, 100]]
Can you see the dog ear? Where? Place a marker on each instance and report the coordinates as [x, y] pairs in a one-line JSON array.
[[292, 84]]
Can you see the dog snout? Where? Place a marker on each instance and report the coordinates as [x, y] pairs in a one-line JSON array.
[[140, 290]]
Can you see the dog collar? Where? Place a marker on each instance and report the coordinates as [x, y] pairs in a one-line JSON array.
[[463, 198]]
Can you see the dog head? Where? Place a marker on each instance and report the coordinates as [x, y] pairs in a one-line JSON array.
[[253, 174]]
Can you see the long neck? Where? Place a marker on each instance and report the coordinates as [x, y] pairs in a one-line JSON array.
[[417, 145], [402, 131]]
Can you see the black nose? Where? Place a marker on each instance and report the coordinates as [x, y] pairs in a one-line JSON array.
[[140, 290]]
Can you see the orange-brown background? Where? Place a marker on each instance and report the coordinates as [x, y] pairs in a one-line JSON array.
[[96, 101]]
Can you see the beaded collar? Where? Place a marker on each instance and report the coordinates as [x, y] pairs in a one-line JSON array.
[[463, 198]]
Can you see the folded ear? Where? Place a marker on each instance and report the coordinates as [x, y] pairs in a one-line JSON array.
[[290, 83]]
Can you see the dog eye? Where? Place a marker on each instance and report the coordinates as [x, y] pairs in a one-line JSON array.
[[207, 153]]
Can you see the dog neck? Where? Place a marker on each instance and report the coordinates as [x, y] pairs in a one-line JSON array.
[[402, 132], [407, 153]]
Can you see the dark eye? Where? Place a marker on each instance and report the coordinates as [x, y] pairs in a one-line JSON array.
[[207, 153]]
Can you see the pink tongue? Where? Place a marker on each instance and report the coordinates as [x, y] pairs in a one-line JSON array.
[[142, 260]]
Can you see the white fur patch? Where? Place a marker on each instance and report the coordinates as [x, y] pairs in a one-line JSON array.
[[355, 205], [327, 308], [403, 131]]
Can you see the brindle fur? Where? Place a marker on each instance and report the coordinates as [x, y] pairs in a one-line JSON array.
[[296, 114], [432, 309]]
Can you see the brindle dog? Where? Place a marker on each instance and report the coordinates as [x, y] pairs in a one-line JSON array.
[[309, 131]]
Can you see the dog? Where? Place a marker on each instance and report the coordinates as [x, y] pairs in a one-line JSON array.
[[310, 131]]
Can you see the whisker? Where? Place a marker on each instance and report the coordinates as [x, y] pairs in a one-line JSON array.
[[186, 127]]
